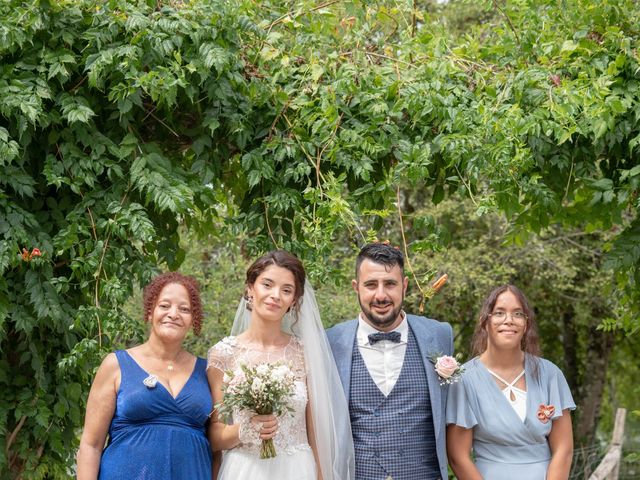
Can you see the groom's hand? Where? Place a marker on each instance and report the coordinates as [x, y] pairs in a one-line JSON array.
[[266, 425]]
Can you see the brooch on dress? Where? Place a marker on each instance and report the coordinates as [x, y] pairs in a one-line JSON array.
[[545, 412], [150, 381]]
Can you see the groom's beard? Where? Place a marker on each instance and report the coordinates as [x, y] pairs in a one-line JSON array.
[[380, 321]]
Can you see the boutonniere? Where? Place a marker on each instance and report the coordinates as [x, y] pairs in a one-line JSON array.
[[545, 412], [448, 368]]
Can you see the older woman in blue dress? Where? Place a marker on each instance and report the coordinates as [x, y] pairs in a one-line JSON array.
[[152, 400], [511, 406]]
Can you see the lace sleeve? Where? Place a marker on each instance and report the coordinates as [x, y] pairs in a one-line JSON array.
[[295, 356], [221, 356]]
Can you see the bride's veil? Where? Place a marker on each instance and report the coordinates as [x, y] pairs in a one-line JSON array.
[[329, 407]]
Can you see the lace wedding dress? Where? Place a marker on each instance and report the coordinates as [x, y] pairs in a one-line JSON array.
[[294, 459]]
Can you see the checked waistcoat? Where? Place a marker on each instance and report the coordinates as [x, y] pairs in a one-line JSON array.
[[393, 436]]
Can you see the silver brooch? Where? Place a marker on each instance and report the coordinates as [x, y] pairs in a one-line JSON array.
[[150, 381]]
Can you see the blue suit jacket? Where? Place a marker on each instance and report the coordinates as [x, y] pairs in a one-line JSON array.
[[434, 338]]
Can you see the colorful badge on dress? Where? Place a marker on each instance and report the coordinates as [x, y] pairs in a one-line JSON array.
[[545, 412], [150, 381]]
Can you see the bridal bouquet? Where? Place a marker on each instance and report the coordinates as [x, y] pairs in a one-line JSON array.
[[264, 389]]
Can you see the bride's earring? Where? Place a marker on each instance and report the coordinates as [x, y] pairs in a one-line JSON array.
[[250, 302]]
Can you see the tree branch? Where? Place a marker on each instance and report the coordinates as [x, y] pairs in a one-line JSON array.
[[291, 13], [513, 29], [275, 120], [266, 217], [379, 55], [467, 185], [406, 252], [14, 433], [165, 125]]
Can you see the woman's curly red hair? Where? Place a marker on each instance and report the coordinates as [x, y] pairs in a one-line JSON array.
[[153, 289]]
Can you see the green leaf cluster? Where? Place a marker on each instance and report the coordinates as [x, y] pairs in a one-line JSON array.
[[109, 113], [292, 124]]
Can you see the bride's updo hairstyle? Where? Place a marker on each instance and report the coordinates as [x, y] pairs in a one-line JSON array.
[[282, 259]]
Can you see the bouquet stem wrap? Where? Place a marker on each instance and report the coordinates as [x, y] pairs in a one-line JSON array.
[[267, 449]]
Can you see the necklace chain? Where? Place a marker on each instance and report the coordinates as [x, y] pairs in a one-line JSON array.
[[171, 364]]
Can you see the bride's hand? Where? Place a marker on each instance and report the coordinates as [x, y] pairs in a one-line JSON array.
[[265, 425]]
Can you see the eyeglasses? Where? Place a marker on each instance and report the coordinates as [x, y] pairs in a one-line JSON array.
[[517, 317]]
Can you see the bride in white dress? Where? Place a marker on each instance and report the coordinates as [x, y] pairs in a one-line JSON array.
[[278, 321]]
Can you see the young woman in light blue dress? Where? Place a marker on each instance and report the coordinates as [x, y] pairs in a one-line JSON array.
[[511, 406]]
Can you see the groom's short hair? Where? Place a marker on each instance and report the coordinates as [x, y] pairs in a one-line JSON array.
[[381, 253]]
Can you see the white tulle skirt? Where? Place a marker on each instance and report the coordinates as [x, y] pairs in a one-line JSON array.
[[240, 465]]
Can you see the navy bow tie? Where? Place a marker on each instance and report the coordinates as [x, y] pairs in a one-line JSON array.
[[378, 336]]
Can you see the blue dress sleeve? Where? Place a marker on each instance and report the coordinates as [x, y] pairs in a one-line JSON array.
[[459, 410], [558, 390]]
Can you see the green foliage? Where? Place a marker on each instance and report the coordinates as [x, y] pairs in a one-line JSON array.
[[558, 124], [97, 177], [531, 113], [291, 124]]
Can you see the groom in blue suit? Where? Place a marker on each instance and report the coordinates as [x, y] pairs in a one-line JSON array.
[[396, 403]]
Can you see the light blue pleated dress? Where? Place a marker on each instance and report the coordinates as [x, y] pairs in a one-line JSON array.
[[505, 447], [154, 436]]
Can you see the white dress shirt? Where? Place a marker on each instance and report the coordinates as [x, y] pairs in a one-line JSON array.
[[383, 359]]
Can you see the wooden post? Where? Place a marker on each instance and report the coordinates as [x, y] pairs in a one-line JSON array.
[[609, 467], [617, 439]]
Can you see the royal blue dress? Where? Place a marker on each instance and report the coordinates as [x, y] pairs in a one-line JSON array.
[[154, 436]]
